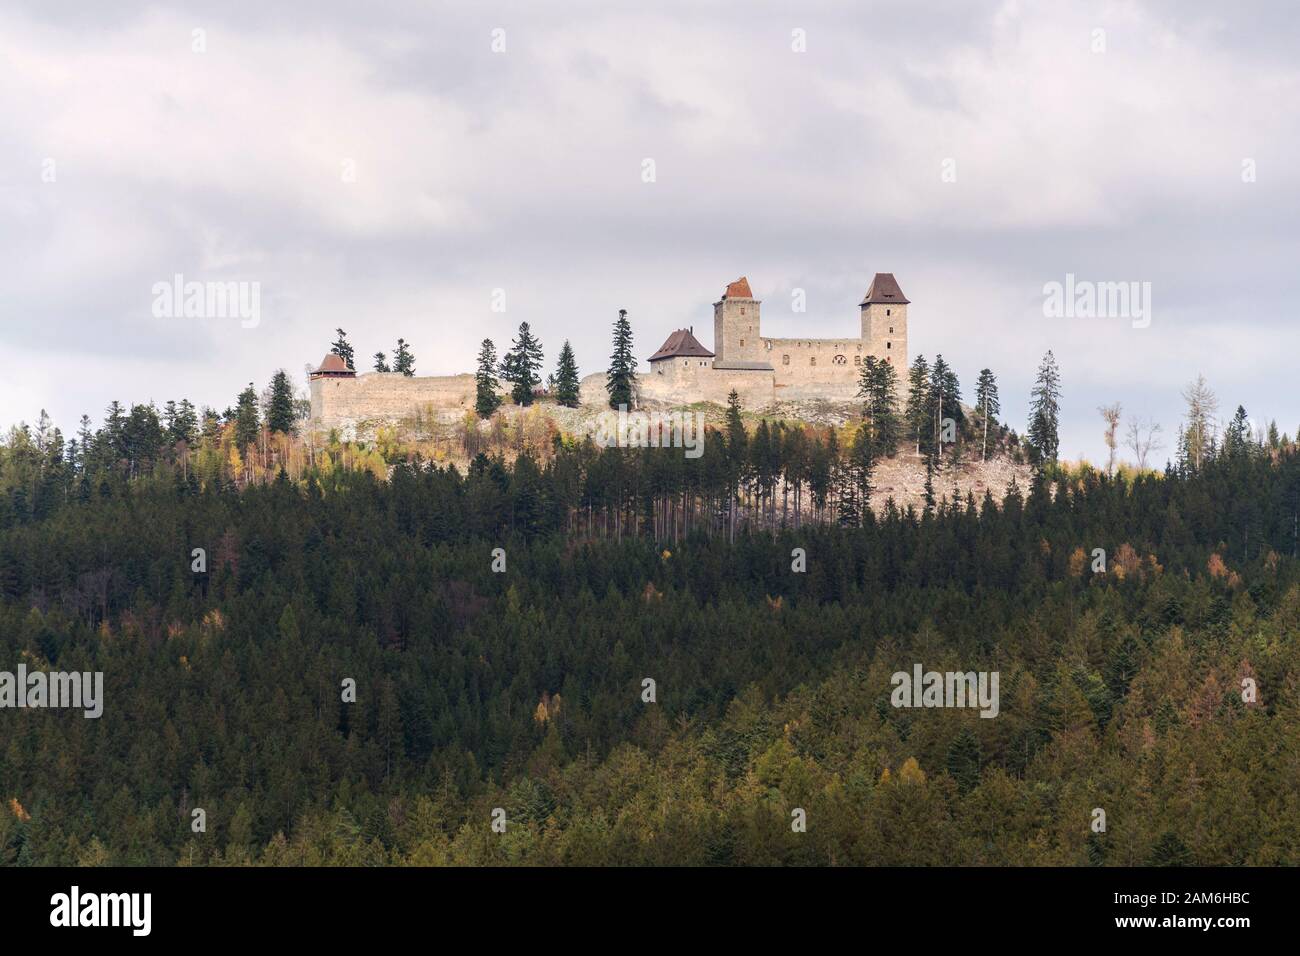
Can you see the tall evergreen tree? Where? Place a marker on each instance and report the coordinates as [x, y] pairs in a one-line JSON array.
[[620, 380], [945, 404], [737, 458], [342, 348], [404, 359], [247, 424], [1237, 437], [566, 377], [1044, 413], [989, 406], [521, 365], [381, 363], [486, 399], [878, 384], [279, 412], [918, 402]]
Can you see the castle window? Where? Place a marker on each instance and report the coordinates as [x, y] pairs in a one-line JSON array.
[[857, 360], [840, 360], [889, 345], [785, 359], [813, 360], [891, 330], [742, 343], [742, 310], [886, 311]]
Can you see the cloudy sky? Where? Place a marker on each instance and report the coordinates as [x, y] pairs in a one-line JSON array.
[[383, 168]]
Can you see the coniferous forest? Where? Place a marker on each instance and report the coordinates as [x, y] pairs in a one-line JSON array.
[[498, 639]]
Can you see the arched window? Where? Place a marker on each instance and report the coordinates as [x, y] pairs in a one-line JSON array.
[[840, 360]]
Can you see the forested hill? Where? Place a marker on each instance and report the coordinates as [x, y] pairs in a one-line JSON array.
[[523, 688]]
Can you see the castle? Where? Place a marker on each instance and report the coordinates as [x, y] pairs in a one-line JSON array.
[[761, 370]]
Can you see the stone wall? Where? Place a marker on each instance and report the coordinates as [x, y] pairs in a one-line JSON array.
[[386, 396]]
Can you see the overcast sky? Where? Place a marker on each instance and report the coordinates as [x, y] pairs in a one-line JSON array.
[[380, 167]]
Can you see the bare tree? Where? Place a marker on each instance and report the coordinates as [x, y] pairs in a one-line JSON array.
[[1143, 438], [1202, 404], [1110, 414]]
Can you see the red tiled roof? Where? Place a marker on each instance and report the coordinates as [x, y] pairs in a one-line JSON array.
[[333, 363], [884, 289], [681, 344], [738, 290]]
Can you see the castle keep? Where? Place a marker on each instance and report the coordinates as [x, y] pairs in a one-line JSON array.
[[762, 370]]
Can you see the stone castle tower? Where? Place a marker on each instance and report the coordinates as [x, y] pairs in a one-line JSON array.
[[736, 338], [739, 343], [884, 321]]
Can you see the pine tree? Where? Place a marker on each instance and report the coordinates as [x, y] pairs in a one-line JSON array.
[[342, 349], [858, 471], [403, 359], [1044, 413], [986, 401], [486, 399], [878, 384], [1235, 438], [620, 380], [247, 425], [566, 377], [918, 401], [945, 404], [280, 414], [521, 365], [737, 458], [381, 362], [963, 760]]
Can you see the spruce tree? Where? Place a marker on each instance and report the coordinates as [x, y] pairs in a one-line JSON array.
[[737, 458], [381, 362], [486, 400], [247, 425], [945, 403], [280, 414], [620, 380], [1044, 413], [878, 384], [403, 359], [566, 377], [963, 760], [521, 365], [342, 349], [918, 402], [986, 401], [1237, 436]]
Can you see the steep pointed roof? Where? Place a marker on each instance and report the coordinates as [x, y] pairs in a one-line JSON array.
[[681, 344], [738, 290], [333, 365], [884, 289]]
